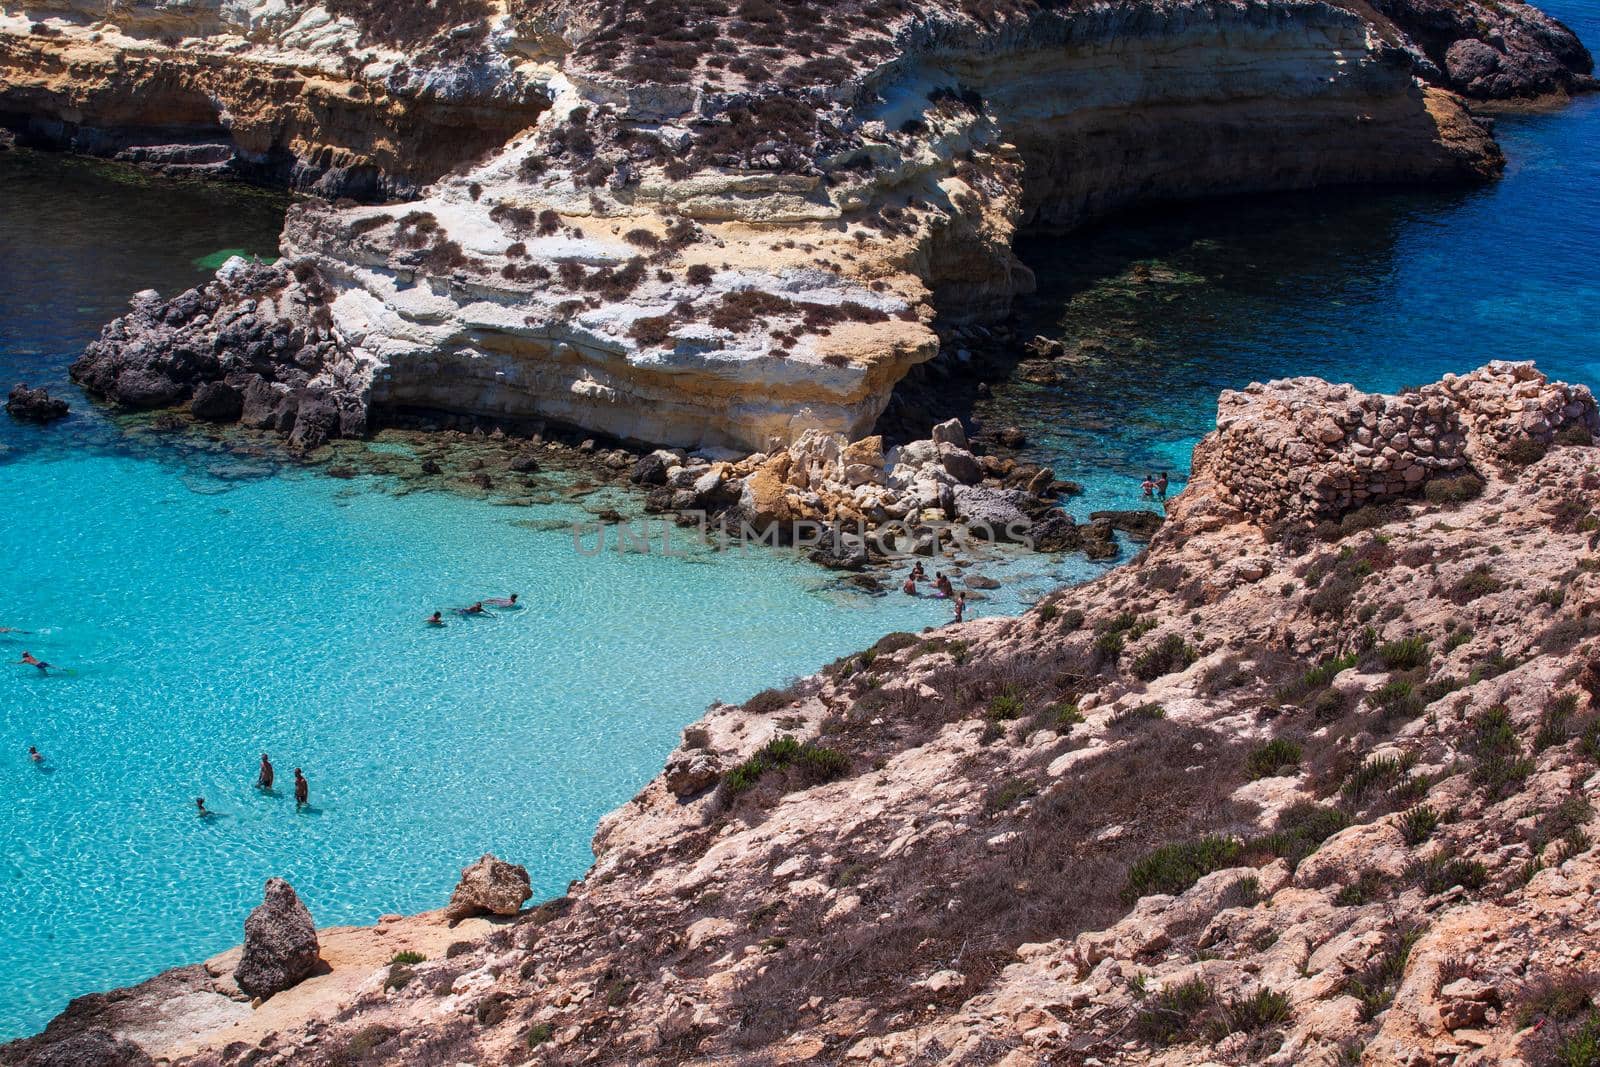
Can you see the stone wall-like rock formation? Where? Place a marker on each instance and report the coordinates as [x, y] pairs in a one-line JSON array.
[[1245, 800], [706, 225], [1303, 450]]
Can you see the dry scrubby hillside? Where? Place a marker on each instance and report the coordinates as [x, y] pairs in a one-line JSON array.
[[1317, 790]]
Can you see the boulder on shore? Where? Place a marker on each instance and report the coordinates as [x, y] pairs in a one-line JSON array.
[[491, 886], [280, 943], [34, 405]]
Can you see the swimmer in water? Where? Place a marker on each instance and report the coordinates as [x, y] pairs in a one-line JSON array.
[[34, 661], [918, 573], [200, 807], [436, 619], [910, 588], [302, 789], [33, 754], [476, 609], [503, 601], [264, 779], [942, 583]]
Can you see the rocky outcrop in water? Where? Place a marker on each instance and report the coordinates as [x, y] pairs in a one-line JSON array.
[[254, 345], [280, 943], [635, 230], [1251, 799], [34, 405]]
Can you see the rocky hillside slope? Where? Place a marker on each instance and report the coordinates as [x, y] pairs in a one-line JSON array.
[[1309, 782], [713, 223]]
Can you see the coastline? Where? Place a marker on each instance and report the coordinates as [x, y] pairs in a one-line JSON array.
[[910, 736]]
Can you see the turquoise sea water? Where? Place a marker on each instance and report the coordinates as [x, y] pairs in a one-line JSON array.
[[212, 607]]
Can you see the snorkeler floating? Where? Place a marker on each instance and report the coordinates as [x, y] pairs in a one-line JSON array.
[[34, 661], [503, 601]]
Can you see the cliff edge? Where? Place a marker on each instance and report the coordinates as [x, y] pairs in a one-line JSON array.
[[1309, 782]]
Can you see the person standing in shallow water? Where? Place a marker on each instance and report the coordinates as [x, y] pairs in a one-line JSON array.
[[1149, 487], [264, 779], [1161, 485], [961, 607], [302, 789]]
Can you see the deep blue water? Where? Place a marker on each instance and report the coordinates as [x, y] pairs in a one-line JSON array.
[[1380, 289], [212, 607]]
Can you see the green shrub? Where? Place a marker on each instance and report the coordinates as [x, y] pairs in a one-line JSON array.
[[1524, 450], [1368, 886], [1246, 1015], [1171, 653], [1128, 718], [1555, 725], [1175, 867], [1301, 828], [1376, 773], [1171, 1014], [407, 956], [1010, 792], [1406, 654], [1266, 760], [813, 765], [1478, 582], [1456, 490], [1071, 619], [1374, 986], [1581, 1047], [1065, 716], [1007, 705], [1501, 765], [769, 701], [1398, 700], [1315, 678], [399, 977], [1418, 824], [539, 1033], [1445, 870], [1047, 613]]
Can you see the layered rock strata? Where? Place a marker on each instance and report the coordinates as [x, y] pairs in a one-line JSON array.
[[733, 225], [1250, 799]]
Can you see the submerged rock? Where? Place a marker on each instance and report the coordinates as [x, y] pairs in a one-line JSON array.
[[491, 886], [280, 943], [34, 405]]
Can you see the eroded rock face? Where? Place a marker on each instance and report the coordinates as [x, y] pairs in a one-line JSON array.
[[256, 343], [1304, 450], [734, 261], [34, 405], [280, 943], [489, 886]]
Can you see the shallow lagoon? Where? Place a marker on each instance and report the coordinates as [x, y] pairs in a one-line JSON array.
[[212, 607]]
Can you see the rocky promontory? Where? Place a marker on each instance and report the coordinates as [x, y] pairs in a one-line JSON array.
[[1311, 781], [714, 225]]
